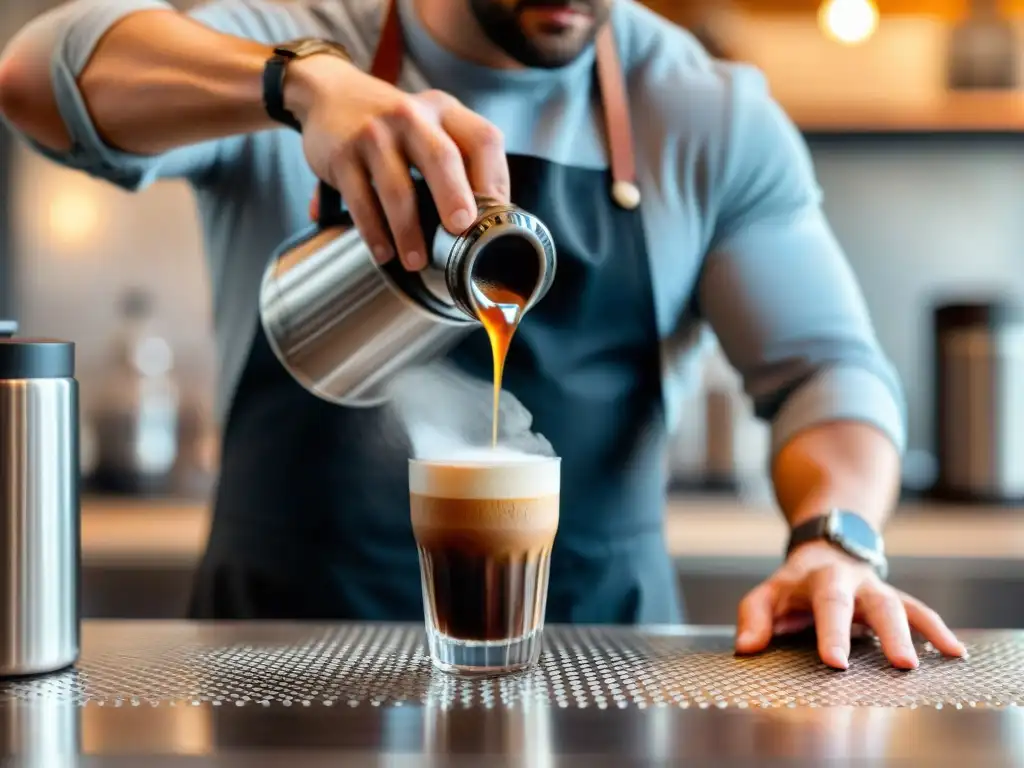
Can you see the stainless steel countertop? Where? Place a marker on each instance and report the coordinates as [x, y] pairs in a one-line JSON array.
[[288, 694]]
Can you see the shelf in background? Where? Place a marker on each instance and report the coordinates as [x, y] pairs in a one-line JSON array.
[[173, 532], [983, 114], [943, 9]]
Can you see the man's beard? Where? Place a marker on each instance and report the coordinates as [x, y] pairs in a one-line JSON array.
[[502, 27]]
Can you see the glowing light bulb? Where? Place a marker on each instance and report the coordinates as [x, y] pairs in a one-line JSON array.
[[848, 21]]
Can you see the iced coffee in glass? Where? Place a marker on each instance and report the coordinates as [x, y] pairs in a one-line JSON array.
[[485, 529]]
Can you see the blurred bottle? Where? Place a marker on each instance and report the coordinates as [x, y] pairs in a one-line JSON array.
[[983, 50], [719, 446], [136, 417], [737, 444], [723, 405]]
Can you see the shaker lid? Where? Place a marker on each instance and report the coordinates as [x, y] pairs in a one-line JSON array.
[[993, 313], [34, 358]]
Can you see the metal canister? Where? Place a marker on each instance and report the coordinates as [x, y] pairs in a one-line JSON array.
[[39, 505], [344, 325], [979, 401]]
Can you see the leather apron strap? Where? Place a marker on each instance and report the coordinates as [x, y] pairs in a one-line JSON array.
[[387, 65]]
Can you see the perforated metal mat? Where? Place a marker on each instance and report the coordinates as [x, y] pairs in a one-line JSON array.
[[125, 665]]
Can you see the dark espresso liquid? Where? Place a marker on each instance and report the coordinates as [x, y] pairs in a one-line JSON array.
[[485, 563]]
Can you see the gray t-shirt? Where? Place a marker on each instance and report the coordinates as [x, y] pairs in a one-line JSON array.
[[736, 234]]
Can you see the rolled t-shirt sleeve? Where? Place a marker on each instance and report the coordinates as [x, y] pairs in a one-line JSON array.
[[77, 29], [778, 291]]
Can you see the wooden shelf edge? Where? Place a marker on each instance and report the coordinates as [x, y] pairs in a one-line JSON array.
[[981, 113]]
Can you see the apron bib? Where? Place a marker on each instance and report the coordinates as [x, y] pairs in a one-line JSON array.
[[312, 510]]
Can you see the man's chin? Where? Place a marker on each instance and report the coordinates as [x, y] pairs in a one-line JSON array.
[[553, 50], [547, 59]]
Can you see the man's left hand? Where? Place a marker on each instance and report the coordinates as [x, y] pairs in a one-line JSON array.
[[821, 586]]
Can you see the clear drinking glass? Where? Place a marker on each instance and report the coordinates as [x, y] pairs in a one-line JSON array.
[[484, 530]]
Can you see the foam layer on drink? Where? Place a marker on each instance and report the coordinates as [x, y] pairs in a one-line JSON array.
[[487, 474]]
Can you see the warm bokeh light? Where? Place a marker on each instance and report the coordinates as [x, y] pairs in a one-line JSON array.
[[848, 21], [74, 217]]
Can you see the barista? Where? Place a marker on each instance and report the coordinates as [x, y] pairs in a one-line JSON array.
[[715, 219]]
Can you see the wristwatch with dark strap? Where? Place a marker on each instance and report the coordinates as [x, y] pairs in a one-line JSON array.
[[276, 68], [848, 532]]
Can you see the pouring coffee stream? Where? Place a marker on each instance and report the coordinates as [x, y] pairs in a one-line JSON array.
[[500, 311], [345, 326]]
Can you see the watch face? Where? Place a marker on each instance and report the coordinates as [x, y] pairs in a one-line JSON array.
[[856, 535]]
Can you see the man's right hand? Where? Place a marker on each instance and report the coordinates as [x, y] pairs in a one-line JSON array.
[[361, 135]]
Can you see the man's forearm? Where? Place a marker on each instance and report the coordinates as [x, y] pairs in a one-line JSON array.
[[159, 80], [844, 464], [156, 80]]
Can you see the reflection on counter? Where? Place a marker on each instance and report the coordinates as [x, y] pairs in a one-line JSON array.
[[49, 731], [251, 693], [184, 731]]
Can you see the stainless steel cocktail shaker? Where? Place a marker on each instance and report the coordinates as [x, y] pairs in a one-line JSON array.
[[39, 505], [344, 326]]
